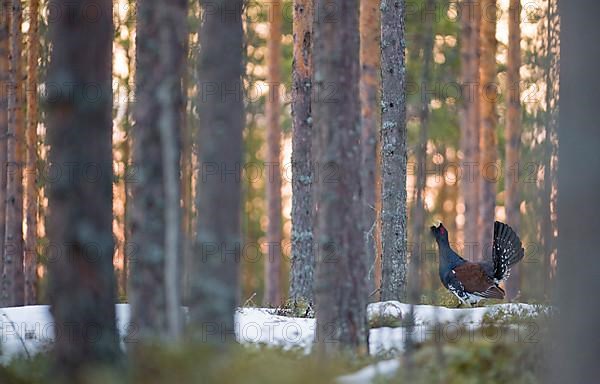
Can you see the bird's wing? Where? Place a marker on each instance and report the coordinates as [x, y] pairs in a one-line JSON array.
[[507, 250], [456, 287], [474, 280]]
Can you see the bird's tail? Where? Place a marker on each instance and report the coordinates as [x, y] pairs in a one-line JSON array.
[[508, 249]]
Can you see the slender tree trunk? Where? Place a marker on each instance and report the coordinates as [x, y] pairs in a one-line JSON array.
[[13, 279], [549, 225], [187, 170], [414, 280], [394, 152], [31, 193], [303, 258], [370, 61], [273, 172], [173, 36], [215, 279], [469, 118], [513, 134], [127, 149], [82, 285], [155, 210], [4, 78], [340, 287], [490, 172], [421, 155], [124, 277]]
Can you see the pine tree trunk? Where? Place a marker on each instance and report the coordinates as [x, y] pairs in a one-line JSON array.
[[513, 134], [4, 78], [549, 224], [340, 287], [273, 170], [13, 279], [128, 246], [421, 156], [155, 211], [469, 121], [303, 258], [215, 269], [82, 286], [394, 151], [31, 194], [370, 61], [490, 172], [187, 170], [172, 40]]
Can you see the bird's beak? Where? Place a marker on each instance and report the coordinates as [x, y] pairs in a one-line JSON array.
[[437, 223]]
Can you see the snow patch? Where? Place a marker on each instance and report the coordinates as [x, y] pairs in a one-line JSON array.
[[29, 330]]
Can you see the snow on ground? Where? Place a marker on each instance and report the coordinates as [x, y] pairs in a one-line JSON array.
[[28, 330]]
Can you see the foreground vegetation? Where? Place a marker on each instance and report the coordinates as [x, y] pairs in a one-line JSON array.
[[501, 351]]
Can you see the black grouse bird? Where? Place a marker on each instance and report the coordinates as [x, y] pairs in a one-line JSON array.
[[472, 282]]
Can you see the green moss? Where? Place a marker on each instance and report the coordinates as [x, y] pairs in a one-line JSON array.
[[385, 320], [296, 308]]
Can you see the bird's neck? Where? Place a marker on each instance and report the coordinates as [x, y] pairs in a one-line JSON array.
[[448, 258]]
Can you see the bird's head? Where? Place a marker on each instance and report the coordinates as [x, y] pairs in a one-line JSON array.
[[440, 233]]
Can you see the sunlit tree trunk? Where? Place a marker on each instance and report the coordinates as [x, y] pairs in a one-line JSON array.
[[469, 120], [490, 172], [13, 279], [370, 55], [303, 258], [127, 158], [82, 287], [31, 193], [215, 269], [394, 151], [4, 78], [513, 134], [273, 169], [340, 286]]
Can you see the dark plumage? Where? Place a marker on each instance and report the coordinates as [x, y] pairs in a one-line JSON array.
[[472, 282]]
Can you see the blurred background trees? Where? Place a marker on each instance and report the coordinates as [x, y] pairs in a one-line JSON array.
[[519, 48]]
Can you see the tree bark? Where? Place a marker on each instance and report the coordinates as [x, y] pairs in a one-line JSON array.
[[513, 134], [303, 258], [13, 279], [574, 331], [490, 172], [81, 286], [370, 61], [31, 193], [394, 151], [551, 76], [173, 35], [187, 171], [340, 287], [4, 78], [273, 170], [469, 121], [215, 279], [421, 156], [127, 157], [155, 211]]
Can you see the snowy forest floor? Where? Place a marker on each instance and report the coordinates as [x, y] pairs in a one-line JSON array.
[[27, 331]]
